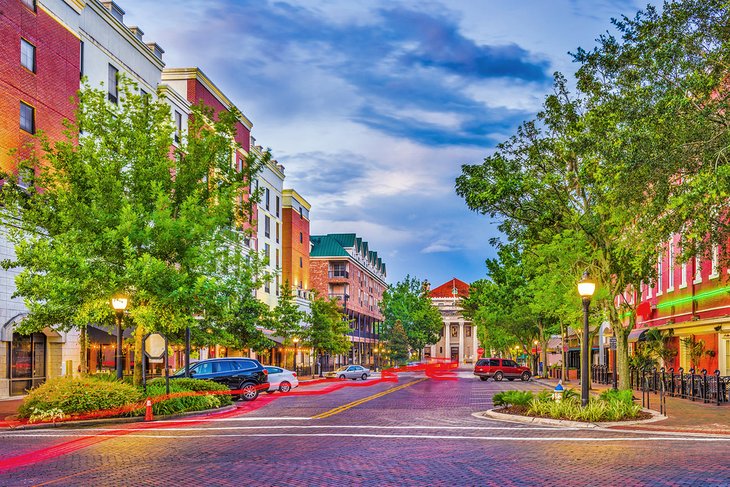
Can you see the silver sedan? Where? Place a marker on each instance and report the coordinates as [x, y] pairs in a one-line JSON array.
[[353, 372]]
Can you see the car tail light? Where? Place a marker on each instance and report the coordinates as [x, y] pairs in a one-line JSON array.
[[294, 374], [266, 372]]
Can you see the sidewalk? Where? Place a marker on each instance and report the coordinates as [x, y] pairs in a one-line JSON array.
[[683, 415]]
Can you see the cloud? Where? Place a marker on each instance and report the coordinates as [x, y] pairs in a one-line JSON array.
[[440, 246]]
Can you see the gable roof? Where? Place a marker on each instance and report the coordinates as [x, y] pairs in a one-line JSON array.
[[446, 290], [326, 246]]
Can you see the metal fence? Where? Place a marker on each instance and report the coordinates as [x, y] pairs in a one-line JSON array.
[[708, 388]]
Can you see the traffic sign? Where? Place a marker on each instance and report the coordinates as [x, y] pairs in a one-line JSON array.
[[154, 346], [612, 343]]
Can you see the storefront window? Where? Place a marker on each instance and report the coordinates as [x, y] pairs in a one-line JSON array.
[[27, 362]]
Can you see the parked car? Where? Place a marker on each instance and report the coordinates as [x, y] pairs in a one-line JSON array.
[[500, 368], [353, 372], [244, 374], [281, 380]]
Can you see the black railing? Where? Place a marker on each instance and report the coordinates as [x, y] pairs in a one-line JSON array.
[[695, 387], [601, 374]]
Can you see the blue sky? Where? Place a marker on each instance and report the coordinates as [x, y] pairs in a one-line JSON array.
[[373, 106]]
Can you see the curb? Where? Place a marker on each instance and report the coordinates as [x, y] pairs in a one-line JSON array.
[[122, 420], [514, 418]]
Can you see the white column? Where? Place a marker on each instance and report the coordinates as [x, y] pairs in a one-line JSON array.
[[461, 342]]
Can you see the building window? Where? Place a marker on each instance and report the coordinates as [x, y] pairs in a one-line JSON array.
[[301, 262], [27, 118], [267, 226], [178, 125], [670, 268], [277, 206], [277, 258], [698, 271], [29, 3], [659, 275], [112, 84], [301, 212], [683, 276], [715, 262], [81, 59], [277, 232], [301, 237], [268, 198], [277, 284], [27, 55]]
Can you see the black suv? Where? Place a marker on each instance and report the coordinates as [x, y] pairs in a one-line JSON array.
[[240, 374]]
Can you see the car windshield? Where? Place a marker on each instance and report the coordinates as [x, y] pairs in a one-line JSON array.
[[344, 367]]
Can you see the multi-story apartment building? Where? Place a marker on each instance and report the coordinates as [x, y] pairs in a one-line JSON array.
[[270, 184], [458, 340], [342, 266], [296, 245], [48, 47], [691, 302]]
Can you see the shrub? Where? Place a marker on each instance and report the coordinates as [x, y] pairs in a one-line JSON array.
[[185, 403], [78, 395], [618, 395], [614, 409], [513, 398]]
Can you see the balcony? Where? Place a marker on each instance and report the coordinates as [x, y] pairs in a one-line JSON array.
[[340, 296], [338, 274]]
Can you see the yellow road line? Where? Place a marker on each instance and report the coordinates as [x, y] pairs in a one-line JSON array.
[[352, 404]]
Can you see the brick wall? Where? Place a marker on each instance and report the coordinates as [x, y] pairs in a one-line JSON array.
[[49, 89], [292, 249]]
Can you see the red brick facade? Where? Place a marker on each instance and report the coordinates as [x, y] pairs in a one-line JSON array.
[[295, 248], [49, 90]]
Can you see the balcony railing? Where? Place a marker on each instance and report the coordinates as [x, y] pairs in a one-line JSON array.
[[339, 296], [338, 274]]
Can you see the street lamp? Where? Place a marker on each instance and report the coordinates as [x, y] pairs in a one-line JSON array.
[[296, 345], [536, 359], [119, 304], [586, 288], [375, 358]]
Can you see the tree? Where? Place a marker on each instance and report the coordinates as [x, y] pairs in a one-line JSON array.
[[108, 210], [398, 344], [408, 301], [287, 315], [328, 329], [549, 181]]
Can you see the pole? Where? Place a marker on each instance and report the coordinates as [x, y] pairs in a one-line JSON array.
[[296, 350], [584, 374], [615, 379], [144, 364], [187, 352], [167, 371], [119, 345]]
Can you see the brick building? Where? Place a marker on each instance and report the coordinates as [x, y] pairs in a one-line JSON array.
[[342, 266], [458, 338], [688, 301]]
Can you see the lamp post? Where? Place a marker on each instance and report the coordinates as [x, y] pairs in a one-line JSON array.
[[536, 359], [586, 288], [375, 358], [296, 351], [119, 304]]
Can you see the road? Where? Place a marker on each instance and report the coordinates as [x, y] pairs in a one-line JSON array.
[[418, 431]]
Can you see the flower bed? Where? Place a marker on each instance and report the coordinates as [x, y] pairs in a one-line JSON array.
[[609, 406]]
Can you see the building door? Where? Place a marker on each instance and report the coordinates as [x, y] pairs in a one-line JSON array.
[[726, 372], [27, 362], [454, 354]]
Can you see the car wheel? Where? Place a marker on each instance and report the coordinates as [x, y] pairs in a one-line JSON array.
[[343, 376], [525, 376], [285, 387], [498, 376], [364, 376], [484, 378], [249, 392]]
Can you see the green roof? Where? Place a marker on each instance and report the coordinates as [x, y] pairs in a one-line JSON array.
[[326, 246]]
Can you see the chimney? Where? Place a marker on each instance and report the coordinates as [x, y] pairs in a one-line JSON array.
[[115, 10], [137, 32], [156, 49]]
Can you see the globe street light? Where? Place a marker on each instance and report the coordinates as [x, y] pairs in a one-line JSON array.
[[586, 288], [375, 358], [119, 304]]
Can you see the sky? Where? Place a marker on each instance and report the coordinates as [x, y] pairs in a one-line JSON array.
[[373, 106]]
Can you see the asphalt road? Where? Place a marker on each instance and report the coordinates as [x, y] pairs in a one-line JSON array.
[[418, 431]]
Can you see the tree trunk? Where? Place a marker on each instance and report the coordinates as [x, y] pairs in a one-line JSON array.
[[622, 356], [84, 343], [138, 354], [544, 345]]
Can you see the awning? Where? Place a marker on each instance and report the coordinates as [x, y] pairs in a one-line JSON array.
[[270, 335], [102, 337], [637, 335], [554, 344]]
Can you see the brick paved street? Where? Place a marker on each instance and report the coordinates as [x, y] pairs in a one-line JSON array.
[[421, 434]]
